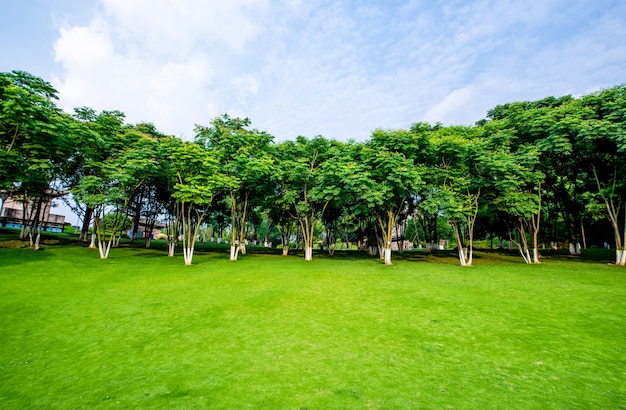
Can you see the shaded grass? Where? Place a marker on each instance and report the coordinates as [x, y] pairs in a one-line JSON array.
[[140, 330]]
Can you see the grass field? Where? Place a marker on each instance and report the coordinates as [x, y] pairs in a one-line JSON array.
[[140, 330]]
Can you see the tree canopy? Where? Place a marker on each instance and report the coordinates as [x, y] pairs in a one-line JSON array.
[[532, 174]]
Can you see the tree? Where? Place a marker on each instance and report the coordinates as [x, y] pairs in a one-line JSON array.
[[382, 179], [109, 189], [243, 156], [461, 164], [603, 133], [551, 126], [100, 138], [512, 183], [35, 141], [26, 107], [198, 178], [151, 198], [301, 192]]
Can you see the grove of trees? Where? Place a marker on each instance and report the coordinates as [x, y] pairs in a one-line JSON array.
[[531, 175]]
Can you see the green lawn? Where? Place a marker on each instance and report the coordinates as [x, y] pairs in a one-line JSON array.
[[140, 330]]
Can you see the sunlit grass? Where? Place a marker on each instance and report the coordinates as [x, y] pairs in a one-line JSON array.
[[141, 330]]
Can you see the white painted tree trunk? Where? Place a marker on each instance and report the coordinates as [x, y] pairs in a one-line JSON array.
[[572, 248], [462, 256], [308, 253], [92, 245], [234, 250], [171, 248], [525, 254], [535, 255], [188, 255], [23, 232], [387, 253], [104, 248], [285, 250], [37, 239], [620, 257]]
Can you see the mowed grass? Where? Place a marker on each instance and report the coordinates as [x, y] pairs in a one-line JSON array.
[[140, 330]]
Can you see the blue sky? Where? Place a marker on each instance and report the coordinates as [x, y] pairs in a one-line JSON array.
[[334, 68]]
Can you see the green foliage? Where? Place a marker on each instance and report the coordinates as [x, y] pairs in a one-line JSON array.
[[557, 162], [118, 222]]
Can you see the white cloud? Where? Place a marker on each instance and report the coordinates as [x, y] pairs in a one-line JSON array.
[[174, 27], [156, 60], [455, 105], [84, 47], [339, 69]]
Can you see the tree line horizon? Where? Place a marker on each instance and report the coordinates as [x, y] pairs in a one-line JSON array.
[[532, 172]]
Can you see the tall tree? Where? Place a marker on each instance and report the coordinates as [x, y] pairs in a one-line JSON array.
[[299, 176], [382, 179], [198, 179], [151, 198], [110, 189], [512, 184], [244, 158], [551, 125], [35, 141], [603, 134], [101, 138], [460, 156]]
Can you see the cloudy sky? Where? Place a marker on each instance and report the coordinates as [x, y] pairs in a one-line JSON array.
[[336, 68]]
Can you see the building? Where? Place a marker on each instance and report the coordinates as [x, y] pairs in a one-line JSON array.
[[12, 216]]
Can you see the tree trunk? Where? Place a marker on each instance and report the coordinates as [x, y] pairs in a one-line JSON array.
[[188, 255], [331, 249], [462, 257], [233, 243], [37, 239], [384, 241], [189, 230], [136, 218], [535, 255], [388, 256], [307, 226], [84, 232], [524, 252], [35, 225], [464, 260], [104, 248], [171, 245], [234, 250], [308, 253], [572, 248]]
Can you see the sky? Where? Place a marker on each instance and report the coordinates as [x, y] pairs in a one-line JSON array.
[[334, 68]]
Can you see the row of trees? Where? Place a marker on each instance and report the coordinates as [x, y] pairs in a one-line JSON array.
[[529, 173]]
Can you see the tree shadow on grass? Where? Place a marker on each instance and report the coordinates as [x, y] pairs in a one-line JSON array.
[[19, 256]]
